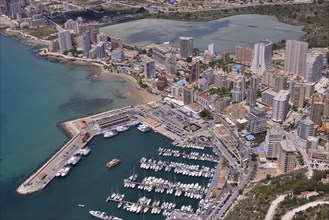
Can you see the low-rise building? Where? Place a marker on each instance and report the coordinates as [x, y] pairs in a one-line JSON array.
[[162, 83], [202, 99]]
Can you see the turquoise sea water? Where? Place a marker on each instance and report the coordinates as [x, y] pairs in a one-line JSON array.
[[36, 94]]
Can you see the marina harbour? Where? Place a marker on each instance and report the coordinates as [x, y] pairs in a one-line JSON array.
[[175, 177], [88, 183]]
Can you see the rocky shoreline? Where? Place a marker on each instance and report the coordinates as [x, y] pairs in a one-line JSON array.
[[99, 72]]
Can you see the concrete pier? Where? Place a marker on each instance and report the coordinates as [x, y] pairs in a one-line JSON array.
[[81, 130], [46, 173]]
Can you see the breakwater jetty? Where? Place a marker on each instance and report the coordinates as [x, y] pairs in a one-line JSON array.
[[81, 130]]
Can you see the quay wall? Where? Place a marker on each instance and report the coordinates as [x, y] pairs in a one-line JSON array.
[[22, 188]]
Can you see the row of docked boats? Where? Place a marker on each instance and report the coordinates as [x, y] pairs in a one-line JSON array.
[[130, 182], [159, 185], [115, 197], [121, 128], [191, 156], [73, 161], [103, 215], [110, 133], [179, 168], [143, 205], [63, 171], [155, 207], [188, 146]]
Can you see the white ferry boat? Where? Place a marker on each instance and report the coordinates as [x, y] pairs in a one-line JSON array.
[[74, 160], [99, 214], [134, 123], [65, 171], [122, 128], [84, 151], [144, 128], [109, 134]]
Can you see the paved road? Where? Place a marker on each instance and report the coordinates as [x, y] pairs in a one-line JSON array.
[[226, 154], [274, 205], [242, 146], [233, 196], [289, 215]]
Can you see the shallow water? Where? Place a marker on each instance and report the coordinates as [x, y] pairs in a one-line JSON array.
[[225, 33]]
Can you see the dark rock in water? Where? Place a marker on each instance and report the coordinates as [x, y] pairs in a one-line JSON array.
[[78, 103], [119, 94]]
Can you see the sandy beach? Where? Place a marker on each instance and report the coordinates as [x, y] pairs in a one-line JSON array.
[[141, 95], [99, 73]]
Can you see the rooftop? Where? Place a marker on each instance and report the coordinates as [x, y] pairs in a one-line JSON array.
[[270, 92], [274, 132], [282, 95], [287, 145], [185, 38], [307, 121], [181, 82]]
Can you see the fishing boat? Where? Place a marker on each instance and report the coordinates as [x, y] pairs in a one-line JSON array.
[[112, 163]]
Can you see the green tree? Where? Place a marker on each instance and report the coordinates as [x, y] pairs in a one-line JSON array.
[[235, 177], [224, 163], [259, 94], [206, 115], [253, 157], [189, 59], [196, 51]]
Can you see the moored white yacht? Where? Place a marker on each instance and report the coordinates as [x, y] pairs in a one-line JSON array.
[[109, 134], [84, 151], [65, 171], [144, 128], [134, 123], [122, 128], [99, 214]]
